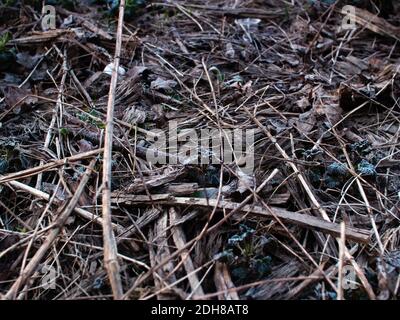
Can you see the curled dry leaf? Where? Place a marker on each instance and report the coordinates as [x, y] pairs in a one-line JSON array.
[[161, 83], [110, 67], [28, 61], [16, 97], [325, 108], [85, 145], [245, 181]]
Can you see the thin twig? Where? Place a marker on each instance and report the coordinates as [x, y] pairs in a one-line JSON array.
[[110, 244], [51, 237]]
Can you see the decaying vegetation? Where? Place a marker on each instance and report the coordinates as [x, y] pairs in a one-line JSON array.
[[85, 215]]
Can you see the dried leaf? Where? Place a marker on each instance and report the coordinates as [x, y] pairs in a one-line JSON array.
[[110, 67], [16, 97], [245, 181], [160, 83], [28, 61], [85, 145]]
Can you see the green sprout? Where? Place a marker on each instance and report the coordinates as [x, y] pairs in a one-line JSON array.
[[220, 76], [4, 39], [86, 117], [245, 255], [64, 132]]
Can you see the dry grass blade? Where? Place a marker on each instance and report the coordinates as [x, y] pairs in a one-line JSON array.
[[63, 214], [180, 241], [223, 282], [303, 220], [110, 245], [50, 165]]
